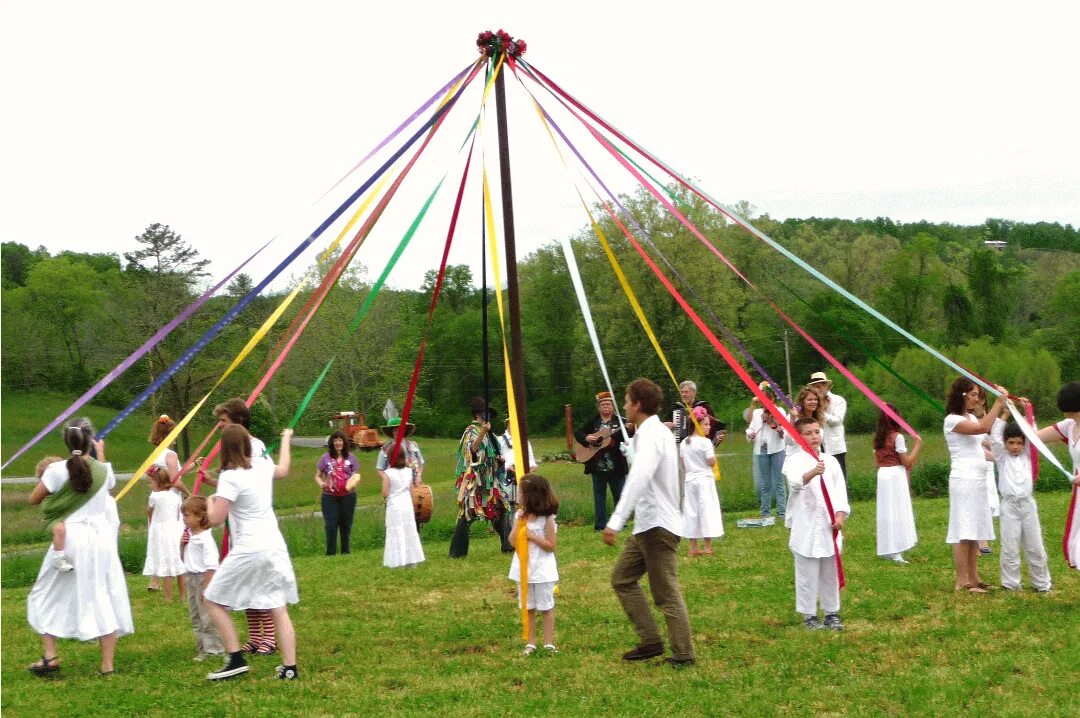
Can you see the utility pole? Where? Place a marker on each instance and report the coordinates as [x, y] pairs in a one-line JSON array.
[[787, 363]]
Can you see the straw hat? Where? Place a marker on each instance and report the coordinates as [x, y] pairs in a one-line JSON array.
[[819, 377], [392, 426]]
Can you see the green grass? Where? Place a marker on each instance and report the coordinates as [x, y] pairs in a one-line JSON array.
[[444, 638]]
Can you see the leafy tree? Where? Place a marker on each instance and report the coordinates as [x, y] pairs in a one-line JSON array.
[[164, 252]]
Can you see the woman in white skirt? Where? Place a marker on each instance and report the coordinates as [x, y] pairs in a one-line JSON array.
[[895, 517], [90, 602], [402, 547], [969, 511], [1068, 431], [992, 497], [702, 518], [257, 572]]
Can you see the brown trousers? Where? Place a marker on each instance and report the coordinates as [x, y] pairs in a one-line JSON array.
[[653, 552], [207, 640]]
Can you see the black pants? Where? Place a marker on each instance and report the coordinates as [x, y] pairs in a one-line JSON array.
[[337, 513], [459, 544]]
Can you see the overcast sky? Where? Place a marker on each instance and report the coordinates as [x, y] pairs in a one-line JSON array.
[[228, 120]]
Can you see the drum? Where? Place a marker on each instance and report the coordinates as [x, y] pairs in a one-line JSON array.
[[423, 503]]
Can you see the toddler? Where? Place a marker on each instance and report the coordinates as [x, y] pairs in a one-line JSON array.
[[538, 509]]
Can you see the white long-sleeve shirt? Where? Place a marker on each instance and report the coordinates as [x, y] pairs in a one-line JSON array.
[[651, 492], [763, 435], [832, 433], [1014, 472], [811, 530]]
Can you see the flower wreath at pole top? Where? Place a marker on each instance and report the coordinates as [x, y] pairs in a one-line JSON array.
[[492, 43]]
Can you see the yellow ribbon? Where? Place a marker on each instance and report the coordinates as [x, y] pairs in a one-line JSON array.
[[251, 344], [623, 282]]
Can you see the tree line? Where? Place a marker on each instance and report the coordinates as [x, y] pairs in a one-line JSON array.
[[1009, 315]]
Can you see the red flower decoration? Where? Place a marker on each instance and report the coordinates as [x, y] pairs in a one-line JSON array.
[[495, 43]]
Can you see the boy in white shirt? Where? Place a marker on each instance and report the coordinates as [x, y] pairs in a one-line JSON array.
[[1019, 513], [812, 543]]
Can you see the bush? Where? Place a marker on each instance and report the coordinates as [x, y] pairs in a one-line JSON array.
[[930, 479]]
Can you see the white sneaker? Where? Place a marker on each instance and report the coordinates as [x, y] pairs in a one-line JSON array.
[[60, 561]]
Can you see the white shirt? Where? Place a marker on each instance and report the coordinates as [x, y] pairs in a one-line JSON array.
[[254, 526], [100, 505], [832, 433], [506, 448], [962, 447], [201, 554], [651, 491], [763, 435], [542, 565], [696, 451], [1014, 472], [811, 530]]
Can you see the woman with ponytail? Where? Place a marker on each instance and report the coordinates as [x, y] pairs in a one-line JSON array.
[[91, 601]]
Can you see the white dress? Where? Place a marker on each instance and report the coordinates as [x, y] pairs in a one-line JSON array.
[[991, 483], [543, 568], [702, 517], [257, 572], [895, 517], [1071, 432], [91, 601], [402, 546], [969, 510], [163, 538]]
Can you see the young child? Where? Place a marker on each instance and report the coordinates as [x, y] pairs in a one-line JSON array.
[[59, 531], [702, 518], [1019, 515], [538, 508], [811, 542], [163, 538], [402, 546], [895, 517], [200, 562]]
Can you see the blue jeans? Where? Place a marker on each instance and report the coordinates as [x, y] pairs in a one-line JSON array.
[[601, 480], [769, 482]]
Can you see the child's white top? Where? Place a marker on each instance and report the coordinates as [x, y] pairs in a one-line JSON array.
[[56, 475], [201, 554], [542, 566], [253, 527], [764, 436], [811, 530], [963, 447], [166, 505], [696, 450], [1014, 472], [506, 448]]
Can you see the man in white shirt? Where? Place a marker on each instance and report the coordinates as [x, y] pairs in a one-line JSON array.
[[651, 494], [834, 409], [817, 572]]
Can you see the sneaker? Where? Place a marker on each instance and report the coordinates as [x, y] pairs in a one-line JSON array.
[[644, 652], [233, 667], [813, 623], [1044, 590], [60, 561], [833, 622], [287, 673]]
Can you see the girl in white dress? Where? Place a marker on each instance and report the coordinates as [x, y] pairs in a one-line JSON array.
[[90, 602], [1068, 431], [402, 547], [257, 572], [895, 517], [538, 509], [702, 518], [969, 511], [163, 538], [168, 460]]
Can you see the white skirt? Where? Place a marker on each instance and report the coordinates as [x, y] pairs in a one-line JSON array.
[[895, 517], [969, 510], [992, 490], [402, 546], [262, 579], [701, 509], [1072, 551], [89, 602], [163, 549]]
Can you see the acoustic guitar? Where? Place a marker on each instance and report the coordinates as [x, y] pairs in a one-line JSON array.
[[584, 453]]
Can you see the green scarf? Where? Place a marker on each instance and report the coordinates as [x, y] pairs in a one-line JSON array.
[[66, 501]]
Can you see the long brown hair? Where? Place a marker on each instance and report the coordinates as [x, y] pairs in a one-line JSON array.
[[954, 402], [537, 498], [162, 426], [77, 440], [885, 425], [819, 412], [235, 448]]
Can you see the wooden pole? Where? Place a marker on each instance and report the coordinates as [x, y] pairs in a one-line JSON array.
[[517, 365], [568, 410]]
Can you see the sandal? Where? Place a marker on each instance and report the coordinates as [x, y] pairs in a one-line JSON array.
[[975, 588], [106, 673], [984, 586], [529, 649], [45, 666]]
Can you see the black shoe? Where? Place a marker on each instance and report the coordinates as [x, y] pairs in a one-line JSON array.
[[233, 667], [287, 673], [833, 622], [813, 623], [643, 653], [679, 663]]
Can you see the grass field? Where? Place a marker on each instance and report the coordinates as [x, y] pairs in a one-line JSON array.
[[445, 637]]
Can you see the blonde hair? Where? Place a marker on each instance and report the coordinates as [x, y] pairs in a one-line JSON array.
[[159, 477], [39, 470], [197, 506]]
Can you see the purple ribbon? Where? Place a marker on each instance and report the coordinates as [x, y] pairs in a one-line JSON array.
[[135, 356]]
